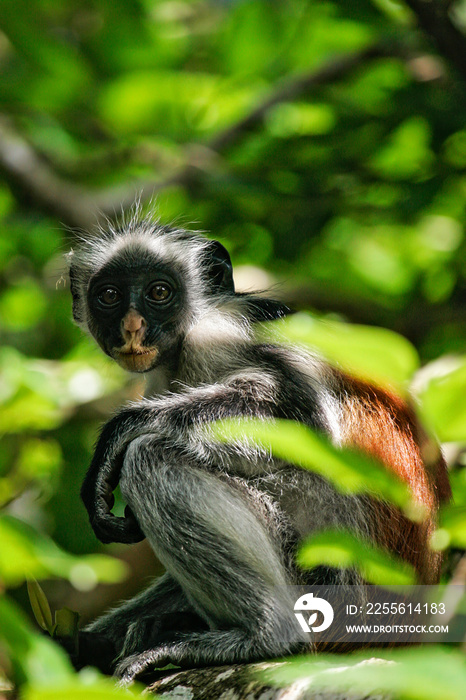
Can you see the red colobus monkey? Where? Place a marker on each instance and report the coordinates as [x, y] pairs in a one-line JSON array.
[[225, 520]]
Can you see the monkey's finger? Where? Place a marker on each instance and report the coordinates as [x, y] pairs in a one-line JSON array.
[[136, 664]]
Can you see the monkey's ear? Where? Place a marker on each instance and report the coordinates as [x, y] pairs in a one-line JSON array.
[[261, 309], [219, 268], [75, 296]]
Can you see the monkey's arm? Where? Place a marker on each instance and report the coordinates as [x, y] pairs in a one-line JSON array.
[[174, 417], [104, 472]]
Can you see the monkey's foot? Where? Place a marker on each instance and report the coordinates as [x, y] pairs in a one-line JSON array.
[[131, 667], [109, 528]]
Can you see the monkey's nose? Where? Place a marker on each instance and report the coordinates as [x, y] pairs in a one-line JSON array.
[[132, 325]]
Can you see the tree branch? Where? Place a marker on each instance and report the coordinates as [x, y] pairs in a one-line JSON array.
[[26, 171], [78, 207], [247, 681], [292, 88]]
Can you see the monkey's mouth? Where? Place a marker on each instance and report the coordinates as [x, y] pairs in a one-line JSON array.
[[138, 359]]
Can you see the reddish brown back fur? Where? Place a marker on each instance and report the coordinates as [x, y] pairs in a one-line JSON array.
[[384, 426]]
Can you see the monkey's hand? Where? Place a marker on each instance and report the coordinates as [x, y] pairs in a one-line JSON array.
[[91, 650], [104, 474]]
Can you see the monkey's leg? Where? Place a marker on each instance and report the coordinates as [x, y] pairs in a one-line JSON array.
[[131, 627], [216, 544]]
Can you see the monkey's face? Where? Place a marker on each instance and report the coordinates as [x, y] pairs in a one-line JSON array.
[[135, 311]]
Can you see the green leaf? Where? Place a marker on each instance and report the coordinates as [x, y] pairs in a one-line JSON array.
[[36, 394], [395, 10], [66, 623], [425, 673], [458, 486], [252, 37], [443, 406], [26, 553], [288, 119], [344, 550], [349, 470], [29, 411], [66, 627], [35, 658], [80, 688], [407, 154], [23, 306], [59, 70], [376, 354], [452, 528], [40, 606], [18, 557], [39, 459], [193, 101]]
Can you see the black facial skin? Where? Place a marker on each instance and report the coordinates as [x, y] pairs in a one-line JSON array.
[[143, 285]]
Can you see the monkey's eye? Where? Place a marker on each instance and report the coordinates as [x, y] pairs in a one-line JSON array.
[[110, 296], [160, 291]]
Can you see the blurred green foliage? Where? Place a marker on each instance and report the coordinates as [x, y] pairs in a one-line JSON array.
[[429, 673], [375, 354], [350, 194]]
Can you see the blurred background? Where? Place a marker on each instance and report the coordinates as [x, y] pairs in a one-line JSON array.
[[322, 142]]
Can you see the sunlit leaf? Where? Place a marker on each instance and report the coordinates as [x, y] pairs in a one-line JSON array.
[[252, 38], [35, 658], [407, 154], [39, 458], [290, 119], [344, 550], [443, 406], [379, 263], [18, 557], [396, 10], [22, 306], [36, 394], [29, 411], [425, 673], [79, 688], [350, 471], [192, 100], [43, 665], [374, 90], [455, 149], [377, 354], [66, 623], [458, 486], [40, 606], [452, 528], [26, 553]]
